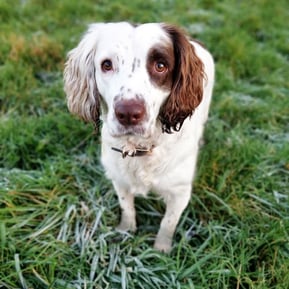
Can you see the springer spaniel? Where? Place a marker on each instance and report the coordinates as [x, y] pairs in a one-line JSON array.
[[152, 88]]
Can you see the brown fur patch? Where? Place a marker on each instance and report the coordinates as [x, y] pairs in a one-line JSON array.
[[187, 87]]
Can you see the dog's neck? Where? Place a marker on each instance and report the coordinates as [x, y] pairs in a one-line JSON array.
[[135, 146], [133, 151]]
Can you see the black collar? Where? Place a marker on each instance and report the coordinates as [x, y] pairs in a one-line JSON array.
[[137, 152]]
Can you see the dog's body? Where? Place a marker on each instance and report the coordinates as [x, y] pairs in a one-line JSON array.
[[152, 89]]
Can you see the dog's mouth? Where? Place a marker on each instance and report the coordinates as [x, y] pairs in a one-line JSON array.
[[133, 141], [137, 130]]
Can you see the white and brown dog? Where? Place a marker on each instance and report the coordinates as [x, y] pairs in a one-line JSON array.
[[152, 88]]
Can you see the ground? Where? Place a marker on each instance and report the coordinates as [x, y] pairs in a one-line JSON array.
[[57, 210]]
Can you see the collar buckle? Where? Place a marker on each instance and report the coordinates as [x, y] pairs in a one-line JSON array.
[[137, 152]]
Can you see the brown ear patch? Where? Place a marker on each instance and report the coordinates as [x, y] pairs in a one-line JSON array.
[[187, 82]]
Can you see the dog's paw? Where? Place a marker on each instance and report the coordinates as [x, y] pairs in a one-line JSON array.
[[163, 244], [125, 227]]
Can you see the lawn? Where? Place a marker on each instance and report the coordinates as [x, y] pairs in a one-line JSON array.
[[57, 210]]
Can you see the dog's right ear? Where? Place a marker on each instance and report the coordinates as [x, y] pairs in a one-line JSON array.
[[79, 78]]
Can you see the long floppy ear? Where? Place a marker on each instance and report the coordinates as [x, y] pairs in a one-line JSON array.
[[187, 88], [79, 78]]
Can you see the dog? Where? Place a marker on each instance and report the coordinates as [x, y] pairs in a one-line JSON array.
[[151, 87]]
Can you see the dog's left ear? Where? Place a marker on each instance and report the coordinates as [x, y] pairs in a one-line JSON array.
[[79, 78], [188, 78]]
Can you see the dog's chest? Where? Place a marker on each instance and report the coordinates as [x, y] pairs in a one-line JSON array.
[[139, 174]]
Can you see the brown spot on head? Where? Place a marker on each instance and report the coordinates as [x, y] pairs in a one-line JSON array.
[[160, 65]]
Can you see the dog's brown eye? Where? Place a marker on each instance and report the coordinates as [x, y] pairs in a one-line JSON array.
[[160, 67], [106, 65]]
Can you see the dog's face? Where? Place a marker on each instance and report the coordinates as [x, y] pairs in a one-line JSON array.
[[133, 72], [134, 77]]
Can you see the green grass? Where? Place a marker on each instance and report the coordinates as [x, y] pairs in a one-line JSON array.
[[57, 211]]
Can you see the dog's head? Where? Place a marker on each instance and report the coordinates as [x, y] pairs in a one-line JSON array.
[[134, 77]]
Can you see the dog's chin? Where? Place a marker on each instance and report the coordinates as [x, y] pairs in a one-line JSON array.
[[137, 131]]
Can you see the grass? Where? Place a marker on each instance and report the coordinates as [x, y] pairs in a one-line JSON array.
[[57, 211]]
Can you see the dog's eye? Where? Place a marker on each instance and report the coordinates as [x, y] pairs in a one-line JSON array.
[[106, 65], [160, 67]]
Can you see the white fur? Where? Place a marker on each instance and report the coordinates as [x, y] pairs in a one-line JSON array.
[[169, 170]]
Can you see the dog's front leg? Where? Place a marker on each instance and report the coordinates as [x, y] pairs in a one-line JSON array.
[[126, 201], [175, 205]]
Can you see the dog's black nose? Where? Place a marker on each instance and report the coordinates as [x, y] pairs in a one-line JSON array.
[[130, 112]]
